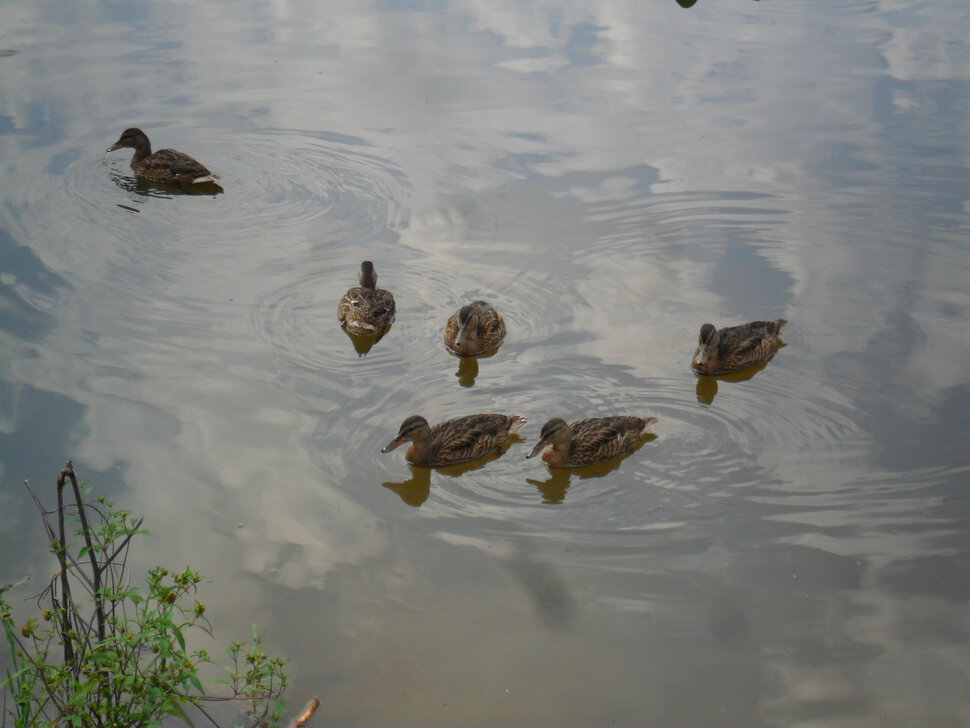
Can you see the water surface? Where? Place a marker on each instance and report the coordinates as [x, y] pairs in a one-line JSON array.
[[791, 549]]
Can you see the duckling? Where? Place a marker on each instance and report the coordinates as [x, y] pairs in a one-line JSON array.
[[455, 441], [474, 329], [366, 309], [165, 165], [736, 347], [585, 442]]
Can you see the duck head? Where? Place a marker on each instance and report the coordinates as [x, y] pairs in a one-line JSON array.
[[706, 342], [134, 138], [413, 428], [554, 431]]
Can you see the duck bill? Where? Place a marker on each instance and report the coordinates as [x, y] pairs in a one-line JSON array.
[[114, 147], [462, 334], [396, 442], [703, 352], [540, 446]]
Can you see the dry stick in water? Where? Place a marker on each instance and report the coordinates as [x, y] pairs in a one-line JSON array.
[[308, 711], [62, 560]]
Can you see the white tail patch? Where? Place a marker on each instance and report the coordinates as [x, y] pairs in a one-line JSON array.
[[353, 323], [207, 178]]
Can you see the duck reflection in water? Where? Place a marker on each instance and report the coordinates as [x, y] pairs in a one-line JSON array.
[[553, 489], [415, 490], [144, 187], [468, 368], [364, 343], [544, 584], [707, 385], [467, 371]]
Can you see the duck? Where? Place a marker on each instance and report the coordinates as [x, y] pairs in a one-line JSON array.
[[589, 441], [366, 309], [736, 347], [474, 329], [165, 165], [455, 441]]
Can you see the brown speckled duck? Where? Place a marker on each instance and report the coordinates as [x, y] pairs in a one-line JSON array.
[[474, 329], [736, 347], [165, 165], [366, 309], [585, 442], [455, 441]]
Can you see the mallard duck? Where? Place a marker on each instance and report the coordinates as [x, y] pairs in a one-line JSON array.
[[474, 329], [455, 441], [585, 442], [736, 347], [366, 309], [165, 165]]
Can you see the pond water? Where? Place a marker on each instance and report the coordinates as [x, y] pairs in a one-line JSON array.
[[792, 549]]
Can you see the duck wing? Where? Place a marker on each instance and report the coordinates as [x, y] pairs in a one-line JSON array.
[[601, 438], [366, 308], [174, 165], [491, 326], [469, 438], [382, 302], [748, 342]]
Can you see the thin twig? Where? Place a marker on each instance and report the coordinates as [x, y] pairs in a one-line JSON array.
[[92, 554], [206, 714], [124, 542]]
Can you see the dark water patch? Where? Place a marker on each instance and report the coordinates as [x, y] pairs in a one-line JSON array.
[[939, 576], [39, 432]]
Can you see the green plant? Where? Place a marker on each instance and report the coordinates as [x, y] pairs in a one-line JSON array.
[[107, 654]]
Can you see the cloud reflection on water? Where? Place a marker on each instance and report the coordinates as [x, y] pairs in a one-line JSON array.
[[615, 171]]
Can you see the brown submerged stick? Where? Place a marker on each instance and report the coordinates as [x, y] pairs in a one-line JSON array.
[[308, 711], [96, 570], [61, 549]]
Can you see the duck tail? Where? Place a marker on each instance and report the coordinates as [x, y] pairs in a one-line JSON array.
[[649, 422], [780, 326], [206, 178], [518, 422]]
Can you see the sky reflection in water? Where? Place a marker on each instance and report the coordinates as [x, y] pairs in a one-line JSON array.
[[790, 549]]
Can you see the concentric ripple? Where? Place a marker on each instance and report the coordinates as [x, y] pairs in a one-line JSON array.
[[298, 320], [702, 460], [282, 190]]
